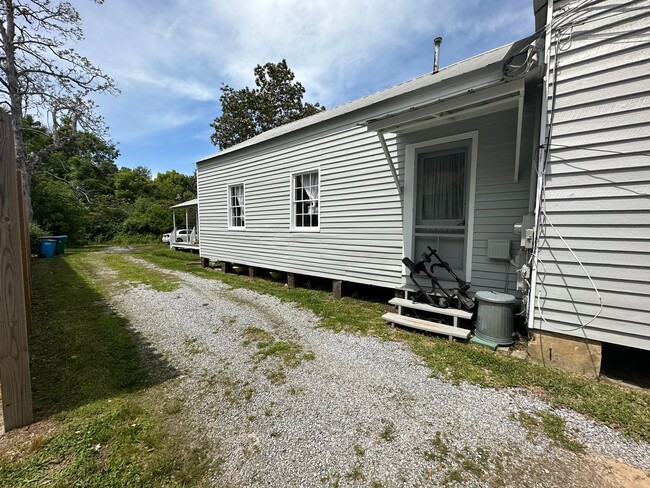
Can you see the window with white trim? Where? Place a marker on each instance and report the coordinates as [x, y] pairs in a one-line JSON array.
[[305, 200], [236, 207]]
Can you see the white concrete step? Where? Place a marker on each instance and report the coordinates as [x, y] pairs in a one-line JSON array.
[[420, 324]]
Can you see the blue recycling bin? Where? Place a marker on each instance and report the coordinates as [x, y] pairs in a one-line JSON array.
[[61, 242], [46, 248]]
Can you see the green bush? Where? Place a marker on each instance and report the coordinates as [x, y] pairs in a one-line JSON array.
[[128, 239], [36, 231]]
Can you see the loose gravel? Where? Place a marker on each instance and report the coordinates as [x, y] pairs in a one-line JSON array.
[[357, 411]]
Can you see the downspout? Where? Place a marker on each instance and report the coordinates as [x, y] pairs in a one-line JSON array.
[[389, 159], [543, 149], [520, 121], [536, 150]]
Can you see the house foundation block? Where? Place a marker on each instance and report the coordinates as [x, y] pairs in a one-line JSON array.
[[337, 288], [253, 272], [575, 354], [205, 262], [226, 267], [291, 280]]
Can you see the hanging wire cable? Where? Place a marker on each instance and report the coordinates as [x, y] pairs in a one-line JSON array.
[[559, 32]]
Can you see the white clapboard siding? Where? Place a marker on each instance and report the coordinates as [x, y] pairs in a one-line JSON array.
[[598, 178], [360, 236]]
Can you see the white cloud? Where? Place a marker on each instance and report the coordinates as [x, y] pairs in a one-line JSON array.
[[183, 88], [170, 55]]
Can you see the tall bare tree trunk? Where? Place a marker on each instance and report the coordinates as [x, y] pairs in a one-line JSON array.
[[15, 96]]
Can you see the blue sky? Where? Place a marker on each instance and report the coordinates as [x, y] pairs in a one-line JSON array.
[[169, 57]]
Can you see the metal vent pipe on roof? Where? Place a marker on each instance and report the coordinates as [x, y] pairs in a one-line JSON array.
[[436, 53]]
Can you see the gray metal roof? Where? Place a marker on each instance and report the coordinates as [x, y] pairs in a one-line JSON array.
[[457, 69]]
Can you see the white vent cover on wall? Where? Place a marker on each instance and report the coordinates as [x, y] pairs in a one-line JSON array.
[[498, 249]]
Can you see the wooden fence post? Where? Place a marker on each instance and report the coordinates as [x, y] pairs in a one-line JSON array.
[[27, 251], [14, 357]]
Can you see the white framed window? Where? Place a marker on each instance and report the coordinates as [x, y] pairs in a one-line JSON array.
[[236, 209], [305, 201]]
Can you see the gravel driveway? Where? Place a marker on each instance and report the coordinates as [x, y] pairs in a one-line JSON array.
[[345, 410]]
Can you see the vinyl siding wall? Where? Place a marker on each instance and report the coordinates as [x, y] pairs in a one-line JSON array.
[[598, 177], [360, 238]]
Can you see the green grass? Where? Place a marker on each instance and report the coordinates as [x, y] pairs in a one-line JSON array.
[[356, 473], [621, 408], [358, 450], [551, 425], [388, 431], [129, 271], [97, 396], [289, 352], [439, 450]]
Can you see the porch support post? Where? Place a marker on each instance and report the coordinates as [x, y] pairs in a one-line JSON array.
[[196, 221], [291, 280], [172, 237], [520, 118], [187, 224], [389, 159]]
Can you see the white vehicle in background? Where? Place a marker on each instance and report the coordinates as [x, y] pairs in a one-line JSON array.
[[183, 235]]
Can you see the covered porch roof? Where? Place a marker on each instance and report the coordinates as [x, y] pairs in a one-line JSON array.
[[188, 203]]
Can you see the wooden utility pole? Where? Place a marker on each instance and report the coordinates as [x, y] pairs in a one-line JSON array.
[[14, 315]]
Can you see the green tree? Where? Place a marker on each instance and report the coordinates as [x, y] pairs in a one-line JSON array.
[[73, 188], [276, 100], [57, 209], [86, 164], [79, 191], [131, 184], [148, 216], [40, 71], [173, 186]]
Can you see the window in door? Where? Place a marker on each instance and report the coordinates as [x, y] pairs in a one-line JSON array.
[[441, 204]]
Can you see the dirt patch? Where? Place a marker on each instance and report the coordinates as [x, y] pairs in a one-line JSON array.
[[112, 250], [610, 472], [18, 443]]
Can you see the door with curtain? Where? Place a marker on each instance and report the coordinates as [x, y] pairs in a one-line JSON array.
[[441, 205]]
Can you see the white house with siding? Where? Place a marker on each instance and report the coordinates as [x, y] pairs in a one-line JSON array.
[[319, 197], [592, 277], [449, 159]]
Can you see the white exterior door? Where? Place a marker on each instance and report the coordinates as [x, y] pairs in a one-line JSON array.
[[439, 186]]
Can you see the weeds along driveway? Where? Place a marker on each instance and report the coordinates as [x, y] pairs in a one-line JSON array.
[[282, 402]]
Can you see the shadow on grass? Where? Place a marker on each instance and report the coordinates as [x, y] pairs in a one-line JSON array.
[[81, 350]]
